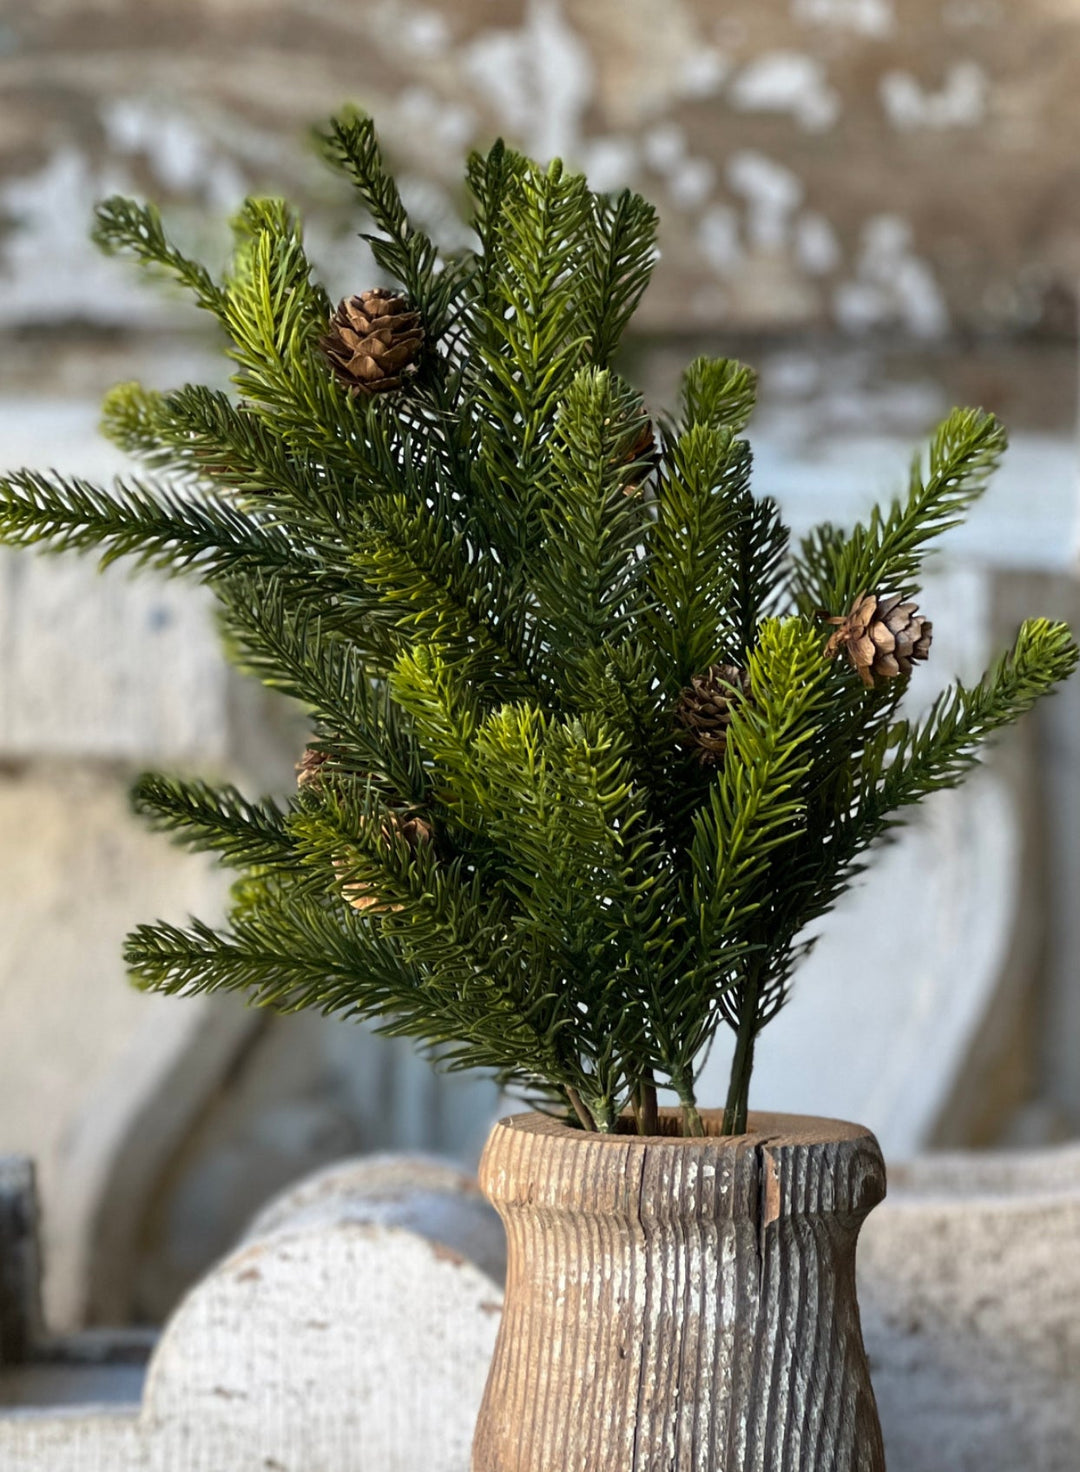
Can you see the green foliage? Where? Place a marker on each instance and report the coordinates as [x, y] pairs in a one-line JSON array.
[[489, 589]]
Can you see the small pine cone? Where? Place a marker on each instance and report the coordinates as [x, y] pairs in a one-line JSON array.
[[373, 341], [704, 708], [416, 832], [881, 637], [641, 453], [309, 769]]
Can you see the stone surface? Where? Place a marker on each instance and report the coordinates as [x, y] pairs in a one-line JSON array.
[[303, 1090], [75, 874], [348, 1333], [854, 163], [969, 1282], [99, 665]]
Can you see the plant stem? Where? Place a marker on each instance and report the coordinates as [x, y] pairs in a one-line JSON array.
[[646, 1112], [742, 1065], [586, 1119], [691, 1120]]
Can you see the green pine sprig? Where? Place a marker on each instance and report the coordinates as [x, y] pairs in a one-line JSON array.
[[490, 589]]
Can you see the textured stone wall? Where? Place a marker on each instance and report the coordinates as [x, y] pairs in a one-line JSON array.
[[851, 164]]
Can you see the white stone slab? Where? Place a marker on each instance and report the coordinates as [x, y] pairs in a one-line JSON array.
[[349, 1333], [969, 1280], [93, 664]]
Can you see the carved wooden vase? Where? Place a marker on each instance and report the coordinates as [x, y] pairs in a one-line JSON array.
[[680, 1305]]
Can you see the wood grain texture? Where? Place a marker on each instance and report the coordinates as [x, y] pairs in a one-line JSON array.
[[677, 1305]]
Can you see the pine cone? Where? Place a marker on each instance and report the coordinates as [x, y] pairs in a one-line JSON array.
[[704, 708], [641, 448], [309, 769], [416, 832], [881, 636], [373, 340]]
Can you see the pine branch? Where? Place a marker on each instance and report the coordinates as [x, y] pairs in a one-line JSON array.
[[287, 647], [439, 591], [718, 393], [887, 553], [529, 343], [586, 573], [754, 811], [700, 494], [124, 227], [155, 526], [220, 820], [619, 269], [940, 750], [756, 553], [274, 312], [408, 254], [489, 600]]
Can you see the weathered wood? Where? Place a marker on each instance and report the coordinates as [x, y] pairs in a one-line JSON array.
[[680, 1303], [20, 1268]]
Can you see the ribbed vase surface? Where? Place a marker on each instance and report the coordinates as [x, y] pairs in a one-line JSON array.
[[680, 1305]]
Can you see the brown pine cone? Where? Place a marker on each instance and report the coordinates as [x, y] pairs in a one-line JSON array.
[[373, 341], [881, 637], [704, 708], [416, 832], [309, 769], [642, 448]]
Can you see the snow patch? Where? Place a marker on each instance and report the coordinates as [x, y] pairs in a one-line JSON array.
[[51, 271], [180, 156], [452, 125], [772, 194], [539, 78], [703, 72], [664, 147], [609, 162], [892, 284], [691, 182], [787, 81], [817, 249], [960, 103], [866, 17], [718, 238], [426, 32]]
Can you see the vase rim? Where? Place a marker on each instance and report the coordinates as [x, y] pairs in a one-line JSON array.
[[765, 1127]]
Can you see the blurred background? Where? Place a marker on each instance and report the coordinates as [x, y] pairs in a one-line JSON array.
[[876, 202]]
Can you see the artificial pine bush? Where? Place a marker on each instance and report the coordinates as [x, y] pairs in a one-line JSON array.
[[593, 746]]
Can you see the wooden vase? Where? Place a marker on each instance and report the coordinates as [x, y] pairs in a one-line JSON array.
[[680, 1305]]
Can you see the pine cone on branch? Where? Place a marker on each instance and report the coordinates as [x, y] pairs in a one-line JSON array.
[[642, 448], [416, 833], [704, 708], [309, 769], [882, 637], [373, 341]]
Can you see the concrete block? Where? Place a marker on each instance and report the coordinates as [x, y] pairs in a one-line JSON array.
[[969, 1280], [350, 1332], [76, 872]]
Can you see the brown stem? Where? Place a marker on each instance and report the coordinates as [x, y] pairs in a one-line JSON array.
[[646, 1110], [742, 1065], [585, 1118]]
